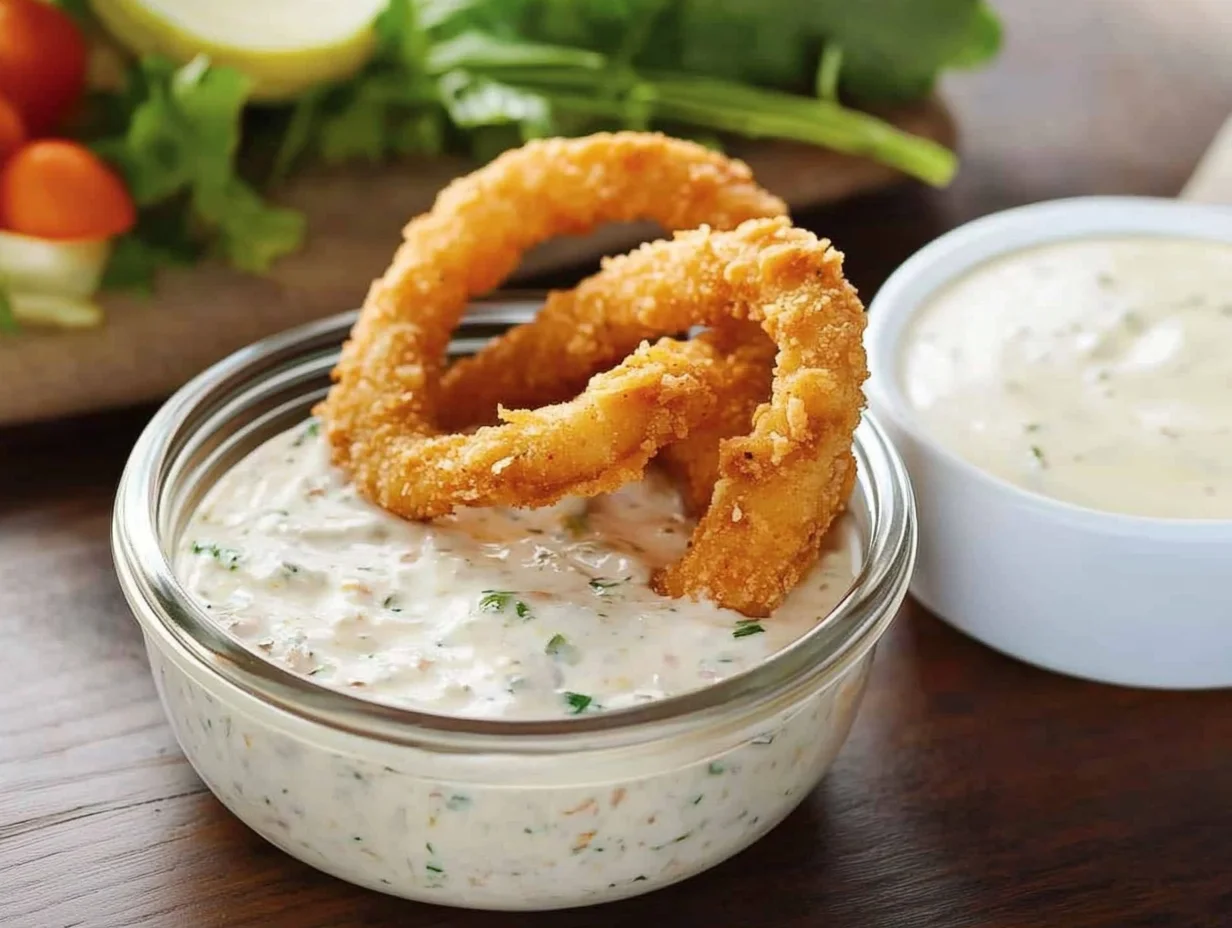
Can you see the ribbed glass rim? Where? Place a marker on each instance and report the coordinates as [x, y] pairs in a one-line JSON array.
[[202, 429]]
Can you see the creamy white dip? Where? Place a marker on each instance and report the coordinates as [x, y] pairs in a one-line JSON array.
[[495, 613], [1098, 372]]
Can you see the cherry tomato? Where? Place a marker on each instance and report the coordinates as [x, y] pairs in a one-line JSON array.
[[60, 190], [12, 130], [42, 62]]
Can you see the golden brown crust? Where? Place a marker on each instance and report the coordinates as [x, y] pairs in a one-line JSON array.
[[381, 417], [775, 491]]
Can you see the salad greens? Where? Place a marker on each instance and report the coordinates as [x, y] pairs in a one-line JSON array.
[[480, 76]]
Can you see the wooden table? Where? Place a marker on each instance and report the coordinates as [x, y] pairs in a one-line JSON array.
[[973, 791]]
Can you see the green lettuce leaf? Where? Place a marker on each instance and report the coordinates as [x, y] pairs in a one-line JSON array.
[[480, 76], [181, 148]]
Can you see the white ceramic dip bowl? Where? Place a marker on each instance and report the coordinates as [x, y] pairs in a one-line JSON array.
[[489, 814], [1123, 599]]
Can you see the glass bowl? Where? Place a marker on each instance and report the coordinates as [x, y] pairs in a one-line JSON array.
[[480, 813]]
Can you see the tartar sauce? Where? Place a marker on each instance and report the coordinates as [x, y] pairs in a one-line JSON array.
[[495, 613], [1094, 371]]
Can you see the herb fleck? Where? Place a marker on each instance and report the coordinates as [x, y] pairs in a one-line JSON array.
[[457, 801], [1038, 454], [434, 868], [390, 602], [578, 702], [601, 585], [1031, 427], [676, 840], [227, 557], [494, 600], [746, 627], [715, 768], [500, 600], [556, 644], [311, 430]]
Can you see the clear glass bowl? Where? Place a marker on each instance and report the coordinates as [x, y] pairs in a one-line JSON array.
[[480, 813]]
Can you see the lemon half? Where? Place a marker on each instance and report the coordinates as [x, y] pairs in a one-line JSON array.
[[284, 46]]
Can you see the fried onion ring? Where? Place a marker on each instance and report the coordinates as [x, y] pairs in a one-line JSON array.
[[776, 490], [381, 416], [741, 382]]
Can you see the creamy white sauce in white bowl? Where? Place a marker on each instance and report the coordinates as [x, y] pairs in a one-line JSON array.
[[1058, 378], [419, 711]]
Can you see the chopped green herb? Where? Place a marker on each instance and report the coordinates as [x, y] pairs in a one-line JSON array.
[[457, 801], [494, 600], [434, 868], [1031, 427], [578, 702], [715, 768], [390, 602], [601, 585], [429, 847], [676, 840], [555, 644], [746, 627], [227, 557], [311, 430], [500, 600], [290, 569], [1038, 454]]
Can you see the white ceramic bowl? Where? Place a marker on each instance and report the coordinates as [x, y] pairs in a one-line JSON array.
[[1117, 598]]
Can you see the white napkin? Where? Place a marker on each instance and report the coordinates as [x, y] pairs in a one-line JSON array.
[[1212, 181]]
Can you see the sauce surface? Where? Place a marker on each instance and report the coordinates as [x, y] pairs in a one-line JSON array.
[[493, 613], [1095, 371]]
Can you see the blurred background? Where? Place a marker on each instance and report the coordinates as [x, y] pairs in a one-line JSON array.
[[188, 177]]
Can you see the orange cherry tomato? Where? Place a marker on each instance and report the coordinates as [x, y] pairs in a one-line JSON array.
[[12, 130], [42, 62], [60, 190]]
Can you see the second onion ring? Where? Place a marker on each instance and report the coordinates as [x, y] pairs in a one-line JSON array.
[[773, 493]]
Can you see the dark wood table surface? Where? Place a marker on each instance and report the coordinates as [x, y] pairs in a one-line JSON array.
[[974, 790]]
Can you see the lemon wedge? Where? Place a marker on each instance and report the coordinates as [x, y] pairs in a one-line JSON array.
[[284, 46]]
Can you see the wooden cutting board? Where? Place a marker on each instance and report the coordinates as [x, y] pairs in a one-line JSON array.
[[151, 345]]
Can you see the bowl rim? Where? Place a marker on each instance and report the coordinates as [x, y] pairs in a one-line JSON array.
[[167, 612], [974, 243]]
